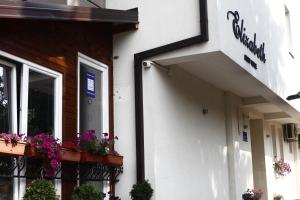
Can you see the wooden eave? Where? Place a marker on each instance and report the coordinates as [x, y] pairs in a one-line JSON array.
[[122, 20]]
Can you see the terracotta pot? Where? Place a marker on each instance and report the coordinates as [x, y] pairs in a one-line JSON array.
[[89, 157], [12, 149], [114, 160], [31, 151], [69, 155]]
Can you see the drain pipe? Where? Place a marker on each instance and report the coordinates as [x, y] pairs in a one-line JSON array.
[[138, 76]]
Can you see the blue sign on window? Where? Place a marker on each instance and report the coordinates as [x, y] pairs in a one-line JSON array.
[[90, 85]]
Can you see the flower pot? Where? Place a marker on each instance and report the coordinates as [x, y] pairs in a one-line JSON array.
[[31, 152], [17, 149], [89, 157], [70, 155], [277, 198], [114, 160]]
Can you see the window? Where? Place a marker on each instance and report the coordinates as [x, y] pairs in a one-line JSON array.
[[288, 30], [41, 101], [93, 101], [8, 103], [92, 95], [30, 102]]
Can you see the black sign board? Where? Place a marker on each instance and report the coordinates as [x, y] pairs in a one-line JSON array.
[[239, 31]]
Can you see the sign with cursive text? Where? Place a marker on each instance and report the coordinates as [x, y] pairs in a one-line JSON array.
[[239, 32]]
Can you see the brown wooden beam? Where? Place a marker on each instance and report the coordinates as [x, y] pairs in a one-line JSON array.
[[41, 11]]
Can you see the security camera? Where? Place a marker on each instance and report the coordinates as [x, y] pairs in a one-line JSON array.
[[147, 64]]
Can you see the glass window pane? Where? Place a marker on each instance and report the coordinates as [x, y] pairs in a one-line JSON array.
[[40, 103], [90, 99], [5, 99]]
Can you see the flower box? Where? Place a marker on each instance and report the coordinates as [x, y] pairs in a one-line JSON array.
[[70, 155], [31, 151], [17, 149], [114, 160], [89, 157]]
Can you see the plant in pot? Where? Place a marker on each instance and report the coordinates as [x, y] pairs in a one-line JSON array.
[[49, 148], [112, 157], [252, 194], [12, 144], [86, 192], [281, 168], [111, 196], [40, 190], [92, 151], [278, 197], [141, 191]]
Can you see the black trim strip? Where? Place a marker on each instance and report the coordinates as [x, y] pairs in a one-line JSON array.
[[138, 75]]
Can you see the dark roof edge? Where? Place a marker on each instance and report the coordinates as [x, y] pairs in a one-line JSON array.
[[42, 11], [138, 75]]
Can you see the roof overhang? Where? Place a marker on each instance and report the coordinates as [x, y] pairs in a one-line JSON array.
[[122, 20]]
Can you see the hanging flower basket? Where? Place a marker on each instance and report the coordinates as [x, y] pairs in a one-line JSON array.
[[89, 157], [70, 155], [112, 159], [281, 168], [8, 148]]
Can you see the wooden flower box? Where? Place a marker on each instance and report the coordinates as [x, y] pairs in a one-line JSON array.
[[17, 149], [114, 160], [70, 155], [89, 157]]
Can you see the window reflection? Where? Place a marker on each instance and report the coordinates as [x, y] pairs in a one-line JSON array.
[[40, 103], [4, 99]]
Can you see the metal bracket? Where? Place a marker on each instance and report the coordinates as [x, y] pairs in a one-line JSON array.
[[23, 167]]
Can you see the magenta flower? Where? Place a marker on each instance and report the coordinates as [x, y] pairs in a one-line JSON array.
[[50, 149]]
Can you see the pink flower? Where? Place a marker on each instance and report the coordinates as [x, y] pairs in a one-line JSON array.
[[105, 134], [49, 154], [54, 164]]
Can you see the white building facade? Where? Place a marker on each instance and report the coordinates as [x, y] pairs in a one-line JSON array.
[[202, 118]]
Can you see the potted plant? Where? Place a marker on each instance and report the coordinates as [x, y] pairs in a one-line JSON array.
[[40, 189], [141, 191], [49, 149], [70, 152], [12, 144], [252, 194], [111, 196], [92, 151], [86, 192], [281, 168], [278, 197], [112, 157]]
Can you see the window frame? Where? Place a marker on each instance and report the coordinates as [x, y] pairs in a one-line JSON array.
[[105, 90], [13, 95], [58, 87]]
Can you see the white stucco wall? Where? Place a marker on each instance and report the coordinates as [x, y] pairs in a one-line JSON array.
[[186, 151], [286, 186], [239, 151], [160, 23], [266, 19]]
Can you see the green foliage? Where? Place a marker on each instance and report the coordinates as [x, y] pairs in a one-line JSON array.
[[40, 190], [141, 191], [93, 147], [86, 192]]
